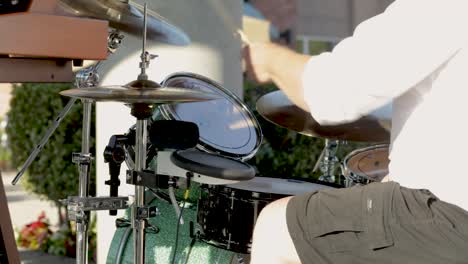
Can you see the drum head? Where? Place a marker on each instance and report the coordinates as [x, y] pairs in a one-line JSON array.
[[371, 163], [278, 186], [226, 125]]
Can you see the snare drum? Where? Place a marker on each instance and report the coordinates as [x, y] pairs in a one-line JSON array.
[[366, 165], [227, 214]]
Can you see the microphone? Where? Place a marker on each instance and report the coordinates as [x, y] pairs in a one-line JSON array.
[[173, 134]]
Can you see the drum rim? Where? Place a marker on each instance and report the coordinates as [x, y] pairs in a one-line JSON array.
[[224, 245], [201, 145], [348, 173]]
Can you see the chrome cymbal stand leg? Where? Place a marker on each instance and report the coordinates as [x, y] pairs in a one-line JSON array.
[[139, 221], [142, 111], [87, 78], [329, 160], [83, 160]]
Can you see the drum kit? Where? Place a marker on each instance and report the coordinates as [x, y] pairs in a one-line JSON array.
[[191, 129]]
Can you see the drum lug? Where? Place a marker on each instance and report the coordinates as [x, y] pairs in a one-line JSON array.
[[125, 223]]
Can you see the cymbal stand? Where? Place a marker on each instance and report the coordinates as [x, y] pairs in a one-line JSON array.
[[328, 160], [113, 42], [87, 78], [79, 207], [142, 111]]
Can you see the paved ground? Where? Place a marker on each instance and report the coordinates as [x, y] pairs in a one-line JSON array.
[[25, 208], [39, 257]]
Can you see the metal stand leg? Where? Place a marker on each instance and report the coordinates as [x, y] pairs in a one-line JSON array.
[[329, 160], [139, 222], [44, 140], [84, 163]]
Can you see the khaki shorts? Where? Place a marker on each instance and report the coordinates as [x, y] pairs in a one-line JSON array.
[[377, 223]]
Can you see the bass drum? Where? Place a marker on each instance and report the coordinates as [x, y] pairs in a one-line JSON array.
[[159, 247], [227, 126], [227, 214], [366, 165]]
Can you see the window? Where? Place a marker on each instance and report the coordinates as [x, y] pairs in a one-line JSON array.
[[314, 45]]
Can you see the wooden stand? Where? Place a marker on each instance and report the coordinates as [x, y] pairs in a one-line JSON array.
[[45, 37], [8, 250]]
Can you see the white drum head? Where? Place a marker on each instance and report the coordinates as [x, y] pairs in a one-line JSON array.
[[369, 163], [278, 186], [226, 125]]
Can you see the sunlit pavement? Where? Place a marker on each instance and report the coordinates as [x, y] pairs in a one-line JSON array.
[[25, 208]]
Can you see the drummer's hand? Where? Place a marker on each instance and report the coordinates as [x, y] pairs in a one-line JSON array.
[[257, 57]]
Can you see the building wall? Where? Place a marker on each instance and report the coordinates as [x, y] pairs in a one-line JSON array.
[[282, 13], [323, 18], [5, 96], [326, 21], [335, 18]]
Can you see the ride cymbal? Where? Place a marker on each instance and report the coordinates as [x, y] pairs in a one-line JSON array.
[[127, 17], [278, 109]]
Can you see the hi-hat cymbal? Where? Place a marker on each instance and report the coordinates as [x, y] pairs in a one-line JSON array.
[[278, 109], [140, 92], [127, 17]]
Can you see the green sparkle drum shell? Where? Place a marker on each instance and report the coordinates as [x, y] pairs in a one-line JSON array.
[[159, 247]]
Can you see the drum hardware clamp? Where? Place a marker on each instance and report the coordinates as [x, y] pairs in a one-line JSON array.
[[81, 159], [148, 179], [77, 206], [328, 160]]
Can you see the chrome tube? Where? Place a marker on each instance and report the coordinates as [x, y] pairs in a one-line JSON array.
[[139, 225], [82, 227]]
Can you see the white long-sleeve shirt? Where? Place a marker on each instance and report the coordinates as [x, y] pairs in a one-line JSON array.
[[415, 56]]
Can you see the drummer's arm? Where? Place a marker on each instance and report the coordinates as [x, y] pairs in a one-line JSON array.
[[271, 62], [386, 56]]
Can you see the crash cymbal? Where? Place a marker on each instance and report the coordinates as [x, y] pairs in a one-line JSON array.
[[140, 92], [278, 109], [127, 17]]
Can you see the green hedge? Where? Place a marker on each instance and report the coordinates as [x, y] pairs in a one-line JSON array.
[[33, 109]]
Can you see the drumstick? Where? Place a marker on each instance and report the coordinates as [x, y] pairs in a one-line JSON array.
[[245, 40]]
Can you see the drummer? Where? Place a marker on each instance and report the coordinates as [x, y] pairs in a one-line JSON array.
[[414, 55]]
